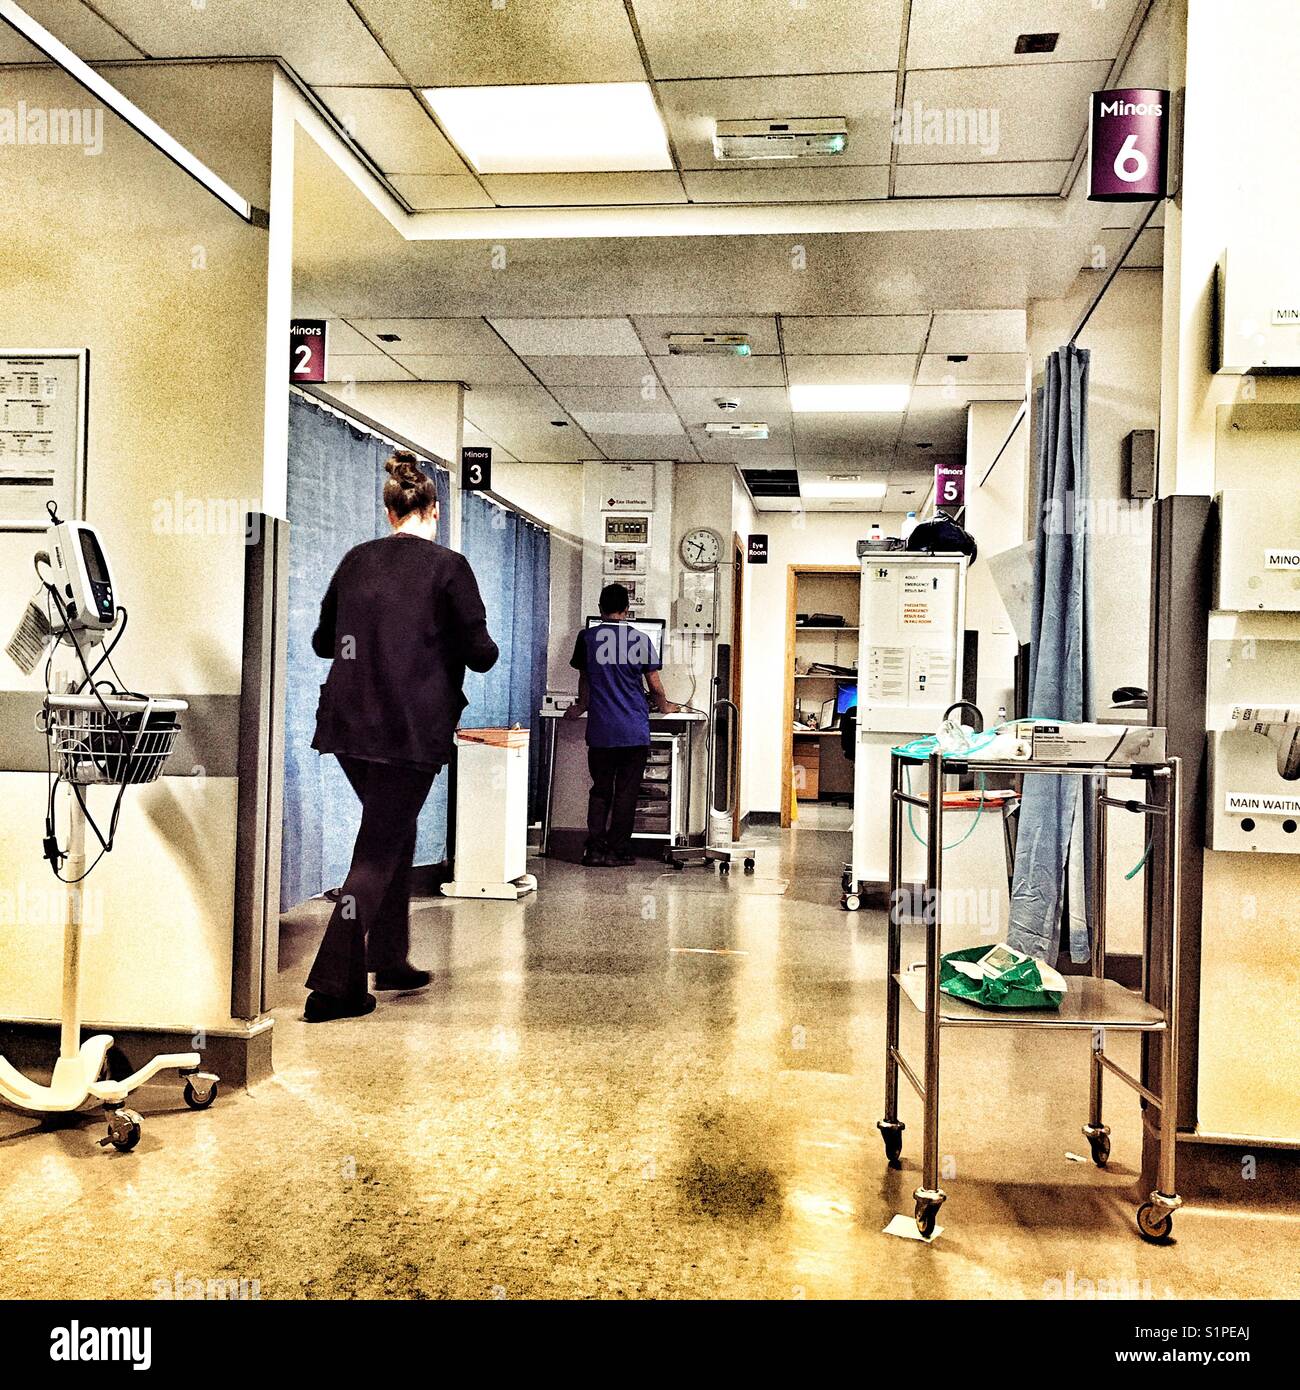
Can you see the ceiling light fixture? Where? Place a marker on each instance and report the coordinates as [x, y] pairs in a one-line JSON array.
[[700, 344], [788, 139], [829, 490], [845, 400], [562, 128]]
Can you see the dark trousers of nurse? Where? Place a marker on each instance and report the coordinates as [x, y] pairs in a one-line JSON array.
[[370, 926]]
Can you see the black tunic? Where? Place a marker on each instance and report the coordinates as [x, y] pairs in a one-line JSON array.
[[402, 619]]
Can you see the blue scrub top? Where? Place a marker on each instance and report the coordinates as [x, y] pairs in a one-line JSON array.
[[615, 657]]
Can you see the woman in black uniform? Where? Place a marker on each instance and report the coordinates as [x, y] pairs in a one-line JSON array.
[[402, 619]]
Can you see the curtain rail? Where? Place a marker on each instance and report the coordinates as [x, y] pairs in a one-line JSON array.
[[392, 437]]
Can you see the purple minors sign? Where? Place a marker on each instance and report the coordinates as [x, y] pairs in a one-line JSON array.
[[1128, 145], [949, 486]]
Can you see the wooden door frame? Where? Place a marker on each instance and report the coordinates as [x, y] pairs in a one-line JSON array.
[[792, 573], [737, 666]]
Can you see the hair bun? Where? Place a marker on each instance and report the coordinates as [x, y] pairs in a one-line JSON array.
[[404, 468]]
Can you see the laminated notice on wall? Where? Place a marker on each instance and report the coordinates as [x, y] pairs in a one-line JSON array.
[[919, 601], [931, 672], [886, 675], [41, 436]]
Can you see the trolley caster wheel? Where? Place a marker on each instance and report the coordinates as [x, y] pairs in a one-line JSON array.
[[1155, 1226], [201, 1096], [850, 902], [123, 1131], [678, 865], [1100, 1146], [927, 1217], [724, 868], [892, 1134], [749, 866]]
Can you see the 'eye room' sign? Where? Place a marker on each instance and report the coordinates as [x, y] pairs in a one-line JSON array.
[[1128, 145]]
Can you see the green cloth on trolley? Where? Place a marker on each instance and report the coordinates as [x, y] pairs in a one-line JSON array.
[[1018, 987]]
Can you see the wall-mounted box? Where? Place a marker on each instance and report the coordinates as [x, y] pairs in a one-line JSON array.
[[1257, 301], [1257, 568], [1251, 807], [1140, 464]]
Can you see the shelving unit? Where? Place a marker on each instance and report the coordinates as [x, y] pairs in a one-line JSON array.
[[825, 772]]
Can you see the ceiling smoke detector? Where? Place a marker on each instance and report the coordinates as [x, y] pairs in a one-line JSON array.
[[705, 344], [727, 430], [793, 138], [723, 403]]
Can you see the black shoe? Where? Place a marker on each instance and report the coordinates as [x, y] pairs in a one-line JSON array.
[[620, 861], [321, 1008], [596, 859], [402, 977]]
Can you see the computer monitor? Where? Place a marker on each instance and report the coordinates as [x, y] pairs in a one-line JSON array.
[[652, 629], [846, 696]]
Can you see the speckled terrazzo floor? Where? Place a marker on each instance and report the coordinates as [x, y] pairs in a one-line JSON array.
[[635, 1084]]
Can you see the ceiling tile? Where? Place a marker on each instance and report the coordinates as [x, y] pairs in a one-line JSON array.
[[868, 463], [762, 453], [1029, 179], [1148, 252], [851, 370], [945, 429], [637, 446], [394, 128], [981, 369], [873, 333], [595, 371], [1037, 112], [956, 396], [84, 32], [982, 32], [865, 99], [430, 192], [845, 434], [716, 370], [977, 330], [695, 404], [625, 399], [502, 369], [742, 38], [343, 339], [376, 367], [655, 328], [786, 185], [565, 337], [477, 43], [583, 190], [599, 423], [434, 337], [324, 41]]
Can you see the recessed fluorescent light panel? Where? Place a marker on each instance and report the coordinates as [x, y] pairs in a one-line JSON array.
[[564, 128], [845, 400], [830, 490]]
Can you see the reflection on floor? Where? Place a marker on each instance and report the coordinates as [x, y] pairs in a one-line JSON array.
[[823, 815], [617, 1088]]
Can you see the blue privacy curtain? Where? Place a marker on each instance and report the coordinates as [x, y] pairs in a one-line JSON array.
[[336, 478], [511, 558], [1051, 835]]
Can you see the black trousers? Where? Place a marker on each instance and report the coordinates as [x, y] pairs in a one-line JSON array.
[[370, 926], [616, 775]]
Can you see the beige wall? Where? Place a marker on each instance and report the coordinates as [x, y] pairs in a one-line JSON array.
[[123, 253]]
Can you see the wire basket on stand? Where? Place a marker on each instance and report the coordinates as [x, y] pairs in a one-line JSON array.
[[115, 739]]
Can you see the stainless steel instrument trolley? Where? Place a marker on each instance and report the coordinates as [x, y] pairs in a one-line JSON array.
[[1093, 1003]]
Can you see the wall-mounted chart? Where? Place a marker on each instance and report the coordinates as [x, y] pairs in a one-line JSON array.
[[42, 435]]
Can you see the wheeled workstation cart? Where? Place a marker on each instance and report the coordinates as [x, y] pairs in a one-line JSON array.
[[1093, 1003]]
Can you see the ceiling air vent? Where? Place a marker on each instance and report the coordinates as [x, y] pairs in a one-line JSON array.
[[726, 430], [1037, 43], [771, 482], [794, 138], [698, 344]]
